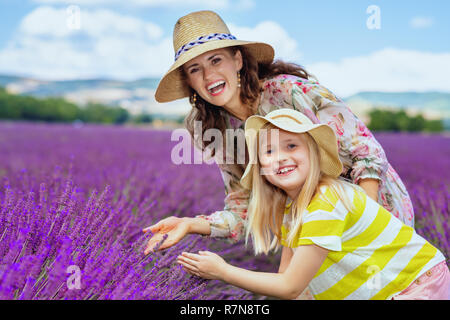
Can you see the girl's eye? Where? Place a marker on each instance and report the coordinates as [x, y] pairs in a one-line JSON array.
[[269, 151], [291, 146], [216, 60], [193, 70]]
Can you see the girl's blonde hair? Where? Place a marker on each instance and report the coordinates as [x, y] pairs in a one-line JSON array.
[[267, 202]]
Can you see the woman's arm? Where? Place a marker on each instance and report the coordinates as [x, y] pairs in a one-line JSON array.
[[371, 187], [229, 223], [198, 226], [357, 145]]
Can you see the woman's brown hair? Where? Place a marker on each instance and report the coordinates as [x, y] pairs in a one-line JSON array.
[[252, 73]]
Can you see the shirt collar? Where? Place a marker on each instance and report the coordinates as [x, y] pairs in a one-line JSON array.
[[288, 203]]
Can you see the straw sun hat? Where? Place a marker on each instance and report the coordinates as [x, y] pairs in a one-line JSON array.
[[296, 122], [193, 35]]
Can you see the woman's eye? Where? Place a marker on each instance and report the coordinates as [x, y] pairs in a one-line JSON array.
[[216, 60], [193, 70], [291, 146], [269, 151]]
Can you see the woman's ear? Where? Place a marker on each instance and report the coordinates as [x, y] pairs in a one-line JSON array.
[[185, 76], [238, 59]]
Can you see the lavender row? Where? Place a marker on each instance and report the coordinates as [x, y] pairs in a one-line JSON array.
[[75, 200]]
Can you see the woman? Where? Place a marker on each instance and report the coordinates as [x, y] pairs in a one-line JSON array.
[[229, 80]]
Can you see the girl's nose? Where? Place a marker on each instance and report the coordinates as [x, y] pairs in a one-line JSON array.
[[281, 157]]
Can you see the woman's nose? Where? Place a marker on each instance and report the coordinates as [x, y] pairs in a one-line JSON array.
[[207, 73]]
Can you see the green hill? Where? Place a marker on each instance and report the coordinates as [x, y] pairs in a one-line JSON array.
[[425, 100]]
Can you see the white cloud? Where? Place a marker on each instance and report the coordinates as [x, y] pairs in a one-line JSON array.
[[386, 70], [49, 21], [421, 22], [107, 45], [215, 4], [245, 4], [270, 32]]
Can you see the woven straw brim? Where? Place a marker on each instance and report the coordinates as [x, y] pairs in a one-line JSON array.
[[172, 86], [324, 136]]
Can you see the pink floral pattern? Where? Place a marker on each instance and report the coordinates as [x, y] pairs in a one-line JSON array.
[[362, 130], [337, 124], [362, 155]]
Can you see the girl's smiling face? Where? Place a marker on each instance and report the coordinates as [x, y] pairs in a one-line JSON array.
[[285, 160], [213, 75]]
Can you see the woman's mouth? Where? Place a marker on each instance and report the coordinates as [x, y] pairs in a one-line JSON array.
[[286, 171], [216, 88]]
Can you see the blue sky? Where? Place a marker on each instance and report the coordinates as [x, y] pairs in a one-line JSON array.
[[329, 37]]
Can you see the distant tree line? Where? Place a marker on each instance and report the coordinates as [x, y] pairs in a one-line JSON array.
[[387, 120], [17, 107], [150, 118]]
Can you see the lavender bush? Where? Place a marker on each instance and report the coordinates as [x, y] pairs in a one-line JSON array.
[[81, 196], [73, 203], [422, 161]]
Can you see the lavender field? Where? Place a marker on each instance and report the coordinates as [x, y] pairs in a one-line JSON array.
[[77, 199]]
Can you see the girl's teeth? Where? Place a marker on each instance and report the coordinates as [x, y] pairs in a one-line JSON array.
[[285, 170]]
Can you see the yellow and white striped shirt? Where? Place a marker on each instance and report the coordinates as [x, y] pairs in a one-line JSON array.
[[373, 255]]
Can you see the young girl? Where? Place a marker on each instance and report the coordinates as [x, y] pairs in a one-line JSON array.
[[337, 241]]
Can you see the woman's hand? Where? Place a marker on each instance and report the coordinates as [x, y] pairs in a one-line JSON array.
[[206, 264], [175, 228], [371, 187]]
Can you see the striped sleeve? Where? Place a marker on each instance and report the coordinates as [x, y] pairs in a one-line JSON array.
[[324, 224], [324, 233]]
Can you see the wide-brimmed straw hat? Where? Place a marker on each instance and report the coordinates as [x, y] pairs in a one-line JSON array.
[[195, 34], [293, 121]]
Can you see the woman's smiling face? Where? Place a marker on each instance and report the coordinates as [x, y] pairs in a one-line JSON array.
[[213, 75], [285, 160]]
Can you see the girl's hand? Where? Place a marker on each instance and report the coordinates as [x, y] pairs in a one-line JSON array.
[[175, 228], [206, 264]]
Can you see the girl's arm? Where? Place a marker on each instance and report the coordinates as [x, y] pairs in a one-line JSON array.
[[286, 256], [304, 264]]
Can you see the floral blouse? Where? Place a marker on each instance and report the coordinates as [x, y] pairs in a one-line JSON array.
[[361, 154]]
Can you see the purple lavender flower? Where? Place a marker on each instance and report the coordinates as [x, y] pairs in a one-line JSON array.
[[85, 195]]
